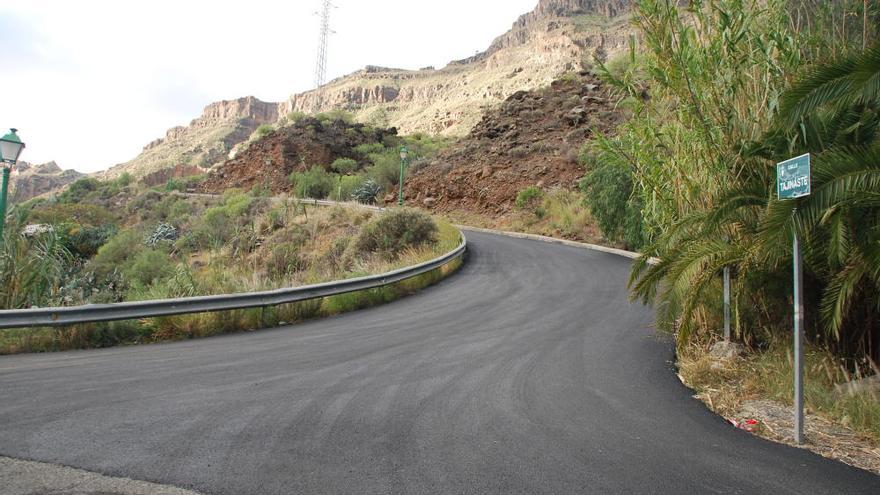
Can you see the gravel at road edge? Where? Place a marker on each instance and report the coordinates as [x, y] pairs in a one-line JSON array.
[[18, 477]]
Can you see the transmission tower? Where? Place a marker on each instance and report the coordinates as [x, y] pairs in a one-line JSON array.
[[324, 38]]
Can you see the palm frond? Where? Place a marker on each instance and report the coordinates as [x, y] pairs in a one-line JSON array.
[[838, 295], [841, 83]]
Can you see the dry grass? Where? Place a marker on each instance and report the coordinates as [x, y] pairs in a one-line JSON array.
[[561, 213], [759, 386], [330, 233]]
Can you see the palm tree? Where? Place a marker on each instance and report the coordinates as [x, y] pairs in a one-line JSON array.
[[832, 112]]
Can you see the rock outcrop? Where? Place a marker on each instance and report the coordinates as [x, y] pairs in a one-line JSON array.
[[547, 10], [532, 139], [558, 36], [29, 181], [206, 141], [268, 162]]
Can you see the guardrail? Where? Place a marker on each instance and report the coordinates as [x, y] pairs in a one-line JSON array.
[[93, 313]]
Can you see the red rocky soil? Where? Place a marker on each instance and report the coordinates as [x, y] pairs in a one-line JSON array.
[[269, 161], [532, 139]]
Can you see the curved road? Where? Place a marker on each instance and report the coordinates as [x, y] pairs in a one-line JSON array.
[[527, 372]]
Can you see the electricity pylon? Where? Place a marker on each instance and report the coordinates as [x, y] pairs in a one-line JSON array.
[[324, 38]]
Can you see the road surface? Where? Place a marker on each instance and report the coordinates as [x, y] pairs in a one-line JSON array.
[[527, 372]]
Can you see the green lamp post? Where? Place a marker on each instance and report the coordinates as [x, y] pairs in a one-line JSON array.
[[403, 154], [10, 149]]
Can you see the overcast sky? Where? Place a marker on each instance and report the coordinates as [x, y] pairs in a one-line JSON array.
[[89, 82]]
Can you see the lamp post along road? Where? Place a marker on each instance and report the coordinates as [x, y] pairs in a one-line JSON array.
[[10, 149], [403, 154]]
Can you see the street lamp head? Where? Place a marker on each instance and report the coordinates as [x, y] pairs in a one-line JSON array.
[[10, 147], [403, 152]]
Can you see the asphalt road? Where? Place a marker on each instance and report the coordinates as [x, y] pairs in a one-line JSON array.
[[527, 372]]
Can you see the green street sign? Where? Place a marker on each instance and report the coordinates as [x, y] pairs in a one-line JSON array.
[[793, 177]]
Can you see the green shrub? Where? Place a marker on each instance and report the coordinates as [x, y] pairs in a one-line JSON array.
[[335, 115], [316, 183], [125, 179], [263, 131], [369, 148], [294, 117], [275, 219], [144, 204], [422, 145], [179, 212], [84, 241], [608, 193], [344, 165], [346, 186], [78, 190], [385, 169], [30, 269], [237, 204], [219, 223], [175, 184], [397, 230], [74, 213], [112, 255], [528, 196], [217, 227], [378, 118], [147, 267], [284, 260]]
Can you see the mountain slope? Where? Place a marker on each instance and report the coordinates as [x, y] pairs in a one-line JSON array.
[[559, 36], [206, 141], [29, 181], [532, 139]]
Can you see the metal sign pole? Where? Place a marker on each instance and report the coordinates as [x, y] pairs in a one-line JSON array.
[[794, 180], [798, 343], [727, 303]]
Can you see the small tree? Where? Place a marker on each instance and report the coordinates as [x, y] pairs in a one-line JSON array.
[[316, 183]]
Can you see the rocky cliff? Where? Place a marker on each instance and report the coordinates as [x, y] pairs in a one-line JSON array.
[[535, 21], [29, 181], [558, 36], [206, 141]]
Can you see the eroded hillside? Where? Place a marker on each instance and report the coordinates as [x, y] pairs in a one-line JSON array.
[[268, 162], [532, 139]]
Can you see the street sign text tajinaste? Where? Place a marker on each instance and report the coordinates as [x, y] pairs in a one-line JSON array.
[[793, 178]]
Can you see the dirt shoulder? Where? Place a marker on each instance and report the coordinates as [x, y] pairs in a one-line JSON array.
[[752, 392], [20, 477]]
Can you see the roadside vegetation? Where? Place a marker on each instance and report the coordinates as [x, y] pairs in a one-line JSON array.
[[372, 170], [105, 242], [330, 156], [719, 93]]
